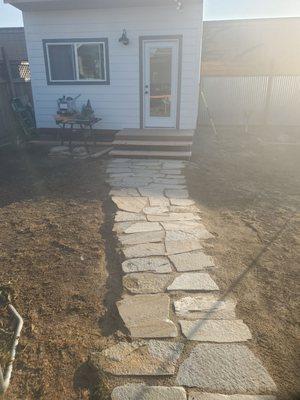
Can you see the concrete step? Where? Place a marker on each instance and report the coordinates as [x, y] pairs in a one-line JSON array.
[[182, 155], [155, 135]]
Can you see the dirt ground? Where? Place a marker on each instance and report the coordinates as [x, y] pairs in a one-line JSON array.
[[248, 186], [53, 252], [55, 222]]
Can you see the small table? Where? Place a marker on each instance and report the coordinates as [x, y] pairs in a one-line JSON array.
[[71, 124]]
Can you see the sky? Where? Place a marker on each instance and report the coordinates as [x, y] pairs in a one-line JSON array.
[[213, 10]]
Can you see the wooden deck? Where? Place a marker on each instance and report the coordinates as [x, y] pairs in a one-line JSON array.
[[155, 143]]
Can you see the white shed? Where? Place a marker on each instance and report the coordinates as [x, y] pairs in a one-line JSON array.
[[137, 61]]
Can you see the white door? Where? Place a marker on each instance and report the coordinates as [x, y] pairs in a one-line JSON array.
[[160, 78]]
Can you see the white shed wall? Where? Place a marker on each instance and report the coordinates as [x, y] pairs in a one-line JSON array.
[[119, 103]]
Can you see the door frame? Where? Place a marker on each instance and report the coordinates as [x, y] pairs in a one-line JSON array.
[[161, 38]]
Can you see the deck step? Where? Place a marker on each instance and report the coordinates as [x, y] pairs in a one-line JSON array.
[[142, 142], [184, 155]]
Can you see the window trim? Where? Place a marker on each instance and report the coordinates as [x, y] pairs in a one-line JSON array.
[[75, 42]]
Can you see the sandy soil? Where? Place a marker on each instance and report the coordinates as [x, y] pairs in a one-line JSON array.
[[249, 191], [53, 252]]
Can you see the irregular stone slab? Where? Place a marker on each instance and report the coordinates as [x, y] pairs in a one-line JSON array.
[[204, 307], [183, 246], [159, 201], [142, 237], [129, 192], [183, 209], [143, 227], [179, 194], [158, 265], [130, 204], [120, 227], [220, 331], [182, 235], [212, 396], [146, 282], [139, 358], [184, 226], [194, 261], [197, 233], [147, 316], [193, 282], [136, 391], [144, 250], [181, 202], [151, 192], [173, 180], [155, 210], [230, 368], [173, 217], [123, 216]]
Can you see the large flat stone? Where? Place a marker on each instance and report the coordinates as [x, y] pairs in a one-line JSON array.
[[184, 226], [182, 246], [177, 193], [193, 208], [158, 265], [220, 331], [230, 368], [142, 237], [146, 282], [204, 307], [136, 391], [193, 261], [182, 235], [127, 192], [151, 192], [147, 316], [139, 358], [181, 202], [130, 204], [159, 201], [193, 282], [123, 216], [167, 217], [143, 227], [144, 250], [156, 210], [212, 396]]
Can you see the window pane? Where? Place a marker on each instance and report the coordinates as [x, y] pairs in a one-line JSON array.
[[61, 60], [91, 61]]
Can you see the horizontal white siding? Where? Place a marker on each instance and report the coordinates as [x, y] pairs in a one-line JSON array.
[[119, 103]]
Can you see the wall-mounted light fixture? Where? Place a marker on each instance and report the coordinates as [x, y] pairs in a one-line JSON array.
[[124, 38], [178, 4]]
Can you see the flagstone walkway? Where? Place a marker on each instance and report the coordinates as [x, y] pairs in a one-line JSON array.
[[180, 324]]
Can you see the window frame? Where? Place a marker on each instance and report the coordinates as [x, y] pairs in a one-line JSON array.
[[75, 43]]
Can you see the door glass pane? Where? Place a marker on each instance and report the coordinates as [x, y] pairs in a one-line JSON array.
[[61, 60], [160, 81], [91, 61]]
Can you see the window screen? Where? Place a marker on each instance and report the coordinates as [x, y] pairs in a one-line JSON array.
[[61, 60]]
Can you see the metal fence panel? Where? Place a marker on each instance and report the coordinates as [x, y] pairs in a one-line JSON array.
[[244, 100]]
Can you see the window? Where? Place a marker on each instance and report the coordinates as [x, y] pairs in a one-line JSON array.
[[77, 61]]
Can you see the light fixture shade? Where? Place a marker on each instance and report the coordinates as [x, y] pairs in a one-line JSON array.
[[124, 38]]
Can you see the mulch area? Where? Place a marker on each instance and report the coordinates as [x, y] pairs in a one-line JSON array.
[[249, 189]]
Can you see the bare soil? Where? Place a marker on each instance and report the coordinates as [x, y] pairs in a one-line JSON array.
[[248, 186], [52, 252], [57, 250]]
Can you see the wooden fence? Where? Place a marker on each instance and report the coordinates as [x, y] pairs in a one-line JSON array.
[[14, 82]]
